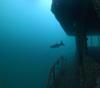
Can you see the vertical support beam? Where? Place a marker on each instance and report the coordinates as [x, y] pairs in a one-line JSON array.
[[81, 44]]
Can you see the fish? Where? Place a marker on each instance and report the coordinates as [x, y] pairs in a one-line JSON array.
[[57, 45]]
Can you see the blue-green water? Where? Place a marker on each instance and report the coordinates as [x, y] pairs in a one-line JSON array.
[[27, 29]]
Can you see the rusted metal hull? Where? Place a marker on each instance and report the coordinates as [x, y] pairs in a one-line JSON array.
[[77, 15]]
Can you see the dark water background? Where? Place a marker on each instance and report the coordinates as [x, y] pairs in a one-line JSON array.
[[27, 29]]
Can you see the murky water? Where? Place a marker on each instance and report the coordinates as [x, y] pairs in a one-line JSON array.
[[27, 30]]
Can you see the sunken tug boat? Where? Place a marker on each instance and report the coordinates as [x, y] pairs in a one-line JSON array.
[[79, 18]]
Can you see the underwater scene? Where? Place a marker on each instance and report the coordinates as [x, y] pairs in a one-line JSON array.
[[41, 46]]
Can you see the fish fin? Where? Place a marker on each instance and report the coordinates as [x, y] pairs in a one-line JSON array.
[[62, 43]]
